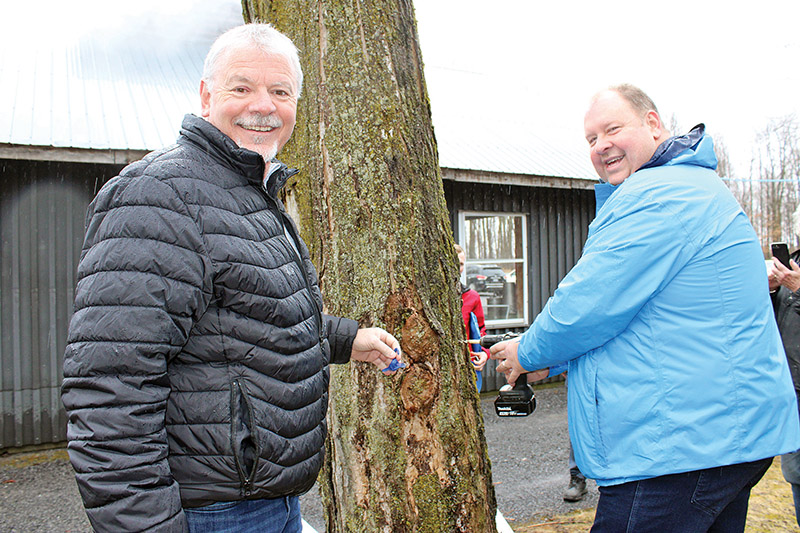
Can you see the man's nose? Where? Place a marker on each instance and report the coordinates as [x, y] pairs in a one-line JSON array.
[[601, 145], [263, 103]]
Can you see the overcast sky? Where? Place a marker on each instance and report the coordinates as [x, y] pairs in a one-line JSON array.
[[731, 65]]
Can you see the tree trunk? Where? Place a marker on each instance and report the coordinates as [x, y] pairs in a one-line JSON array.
[[405, 453]]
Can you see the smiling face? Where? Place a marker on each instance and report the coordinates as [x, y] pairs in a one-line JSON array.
[[253, 100], [621, 139]]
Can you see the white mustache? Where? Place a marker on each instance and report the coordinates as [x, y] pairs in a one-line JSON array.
[[260, 121]]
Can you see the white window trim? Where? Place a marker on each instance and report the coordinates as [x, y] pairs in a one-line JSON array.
[[509, 323]]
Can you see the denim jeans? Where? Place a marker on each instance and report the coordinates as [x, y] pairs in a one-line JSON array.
[[712, 500], [279, 515], [790, 466]]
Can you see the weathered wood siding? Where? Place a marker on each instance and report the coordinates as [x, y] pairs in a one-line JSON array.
[[42, 212]]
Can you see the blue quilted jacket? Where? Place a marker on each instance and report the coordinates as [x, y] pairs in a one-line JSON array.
[[675, 361]]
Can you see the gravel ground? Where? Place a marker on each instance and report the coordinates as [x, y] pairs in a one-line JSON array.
[[529, 459], [529, 468]]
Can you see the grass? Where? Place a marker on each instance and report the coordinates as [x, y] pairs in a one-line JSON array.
[[30, 458], [771, 510]]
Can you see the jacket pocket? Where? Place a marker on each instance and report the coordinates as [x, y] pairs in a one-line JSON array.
[[244, 441], [586, 409]]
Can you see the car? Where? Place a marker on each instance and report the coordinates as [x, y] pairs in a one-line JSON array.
[[487, 280]]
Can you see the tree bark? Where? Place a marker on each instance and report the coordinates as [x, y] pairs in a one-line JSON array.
[[405, 453]]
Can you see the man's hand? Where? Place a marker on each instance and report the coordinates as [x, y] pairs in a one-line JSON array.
[[478, 359], [508, 363], [538, 375], [779, 275], [376, 346]]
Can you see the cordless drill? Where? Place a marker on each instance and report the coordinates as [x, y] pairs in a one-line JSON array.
[[518, 400]]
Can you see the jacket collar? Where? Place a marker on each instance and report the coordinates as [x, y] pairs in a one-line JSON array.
[[602, 191], [674, 146], [248, 163], [276, 177], [665, 153]]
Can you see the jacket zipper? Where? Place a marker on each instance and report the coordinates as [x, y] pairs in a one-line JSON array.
[[299, 262], [288, 229], [247, 478]]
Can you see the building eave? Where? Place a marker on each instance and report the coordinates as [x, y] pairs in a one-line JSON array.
[[70, 155], [523, 180]]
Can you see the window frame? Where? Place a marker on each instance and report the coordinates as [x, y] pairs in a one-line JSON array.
[[523, 320]]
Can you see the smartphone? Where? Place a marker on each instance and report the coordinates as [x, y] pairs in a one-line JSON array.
[[781, 251]]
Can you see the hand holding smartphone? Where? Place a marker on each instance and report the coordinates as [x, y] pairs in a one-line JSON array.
[[781, 251]]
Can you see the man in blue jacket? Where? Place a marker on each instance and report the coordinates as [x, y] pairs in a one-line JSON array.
[[679, 392]]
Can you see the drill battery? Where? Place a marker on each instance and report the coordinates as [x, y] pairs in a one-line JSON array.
[[517, 401]]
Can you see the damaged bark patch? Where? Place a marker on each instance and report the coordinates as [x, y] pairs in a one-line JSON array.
[[420, 344], [419, 390], [404, 312]]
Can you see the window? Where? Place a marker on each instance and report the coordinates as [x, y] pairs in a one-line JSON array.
[[496, 249]]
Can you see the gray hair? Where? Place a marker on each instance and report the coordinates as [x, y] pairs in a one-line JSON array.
[[637, 98], [260, 35]]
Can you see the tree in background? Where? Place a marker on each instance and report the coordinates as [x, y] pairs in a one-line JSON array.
[[675, 127], [407, 453], [776, 164], [724, 168], [772, 193], [742, 189]]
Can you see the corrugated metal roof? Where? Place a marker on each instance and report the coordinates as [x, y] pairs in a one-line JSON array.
[[481, 125], [508, 147], [127, 87]]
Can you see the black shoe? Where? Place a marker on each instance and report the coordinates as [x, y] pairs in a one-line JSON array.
[[576, 490]]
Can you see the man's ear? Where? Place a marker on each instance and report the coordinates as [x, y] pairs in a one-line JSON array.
[[205, 99], [653, 121]]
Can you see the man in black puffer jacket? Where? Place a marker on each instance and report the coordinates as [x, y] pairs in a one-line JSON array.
[[196, 369]]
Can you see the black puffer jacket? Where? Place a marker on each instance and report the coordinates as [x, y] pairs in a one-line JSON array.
[[196, 366], [787, 313]]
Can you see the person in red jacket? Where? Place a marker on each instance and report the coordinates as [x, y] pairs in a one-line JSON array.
[[471, 303]]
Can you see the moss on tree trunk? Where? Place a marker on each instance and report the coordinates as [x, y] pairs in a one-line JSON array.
[[405, 453]]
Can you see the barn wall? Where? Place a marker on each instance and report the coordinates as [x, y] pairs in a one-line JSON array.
[[42, 211]]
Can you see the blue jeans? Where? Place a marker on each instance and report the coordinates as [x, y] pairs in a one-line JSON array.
[[279, 515], [790, 466], [711, 500]]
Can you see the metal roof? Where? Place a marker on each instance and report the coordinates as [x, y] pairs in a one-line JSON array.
[[93, 95], [125, 86], [120, 84], [508, 147]]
